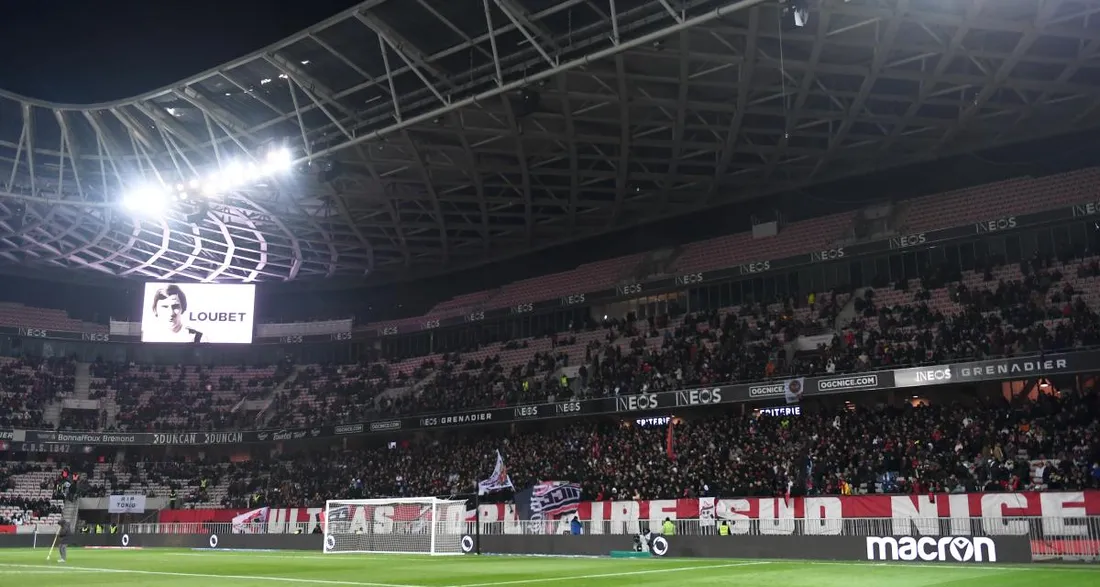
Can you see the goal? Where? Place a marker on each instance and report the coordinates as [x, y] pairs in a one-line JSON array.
[[421, 525]]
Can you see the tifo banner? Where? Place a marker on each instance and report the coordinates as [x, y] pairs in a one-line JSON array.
[[549, 500], [251, 522], [198, 313], [998, 513], [126, 504]]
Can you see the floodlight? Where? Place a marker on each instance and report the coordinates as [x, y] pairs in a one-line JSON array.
[[235, 174], [147, 199], [278, 161]]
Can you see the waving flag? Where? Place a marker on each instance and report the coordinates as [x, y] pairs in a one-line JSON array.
[[548, 500], [251, 522], [498, 481]]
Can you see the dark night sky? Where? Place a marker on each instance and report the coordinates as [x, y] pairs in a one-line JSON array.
[[84, 52]]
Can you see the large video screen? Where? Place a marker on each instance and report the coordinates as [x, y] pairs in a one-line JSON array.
[[198, 313]]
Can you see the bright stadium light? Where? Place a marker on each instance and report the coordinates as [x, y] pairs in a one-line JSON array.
[[278, 161], [147, 200], [237, 174]]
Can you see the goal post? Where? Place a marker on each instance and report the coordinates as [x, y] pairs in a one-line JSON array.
[[419, 525]]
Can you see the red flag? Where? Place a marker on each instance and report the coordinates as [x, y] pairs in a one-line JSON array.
[[670, 442]]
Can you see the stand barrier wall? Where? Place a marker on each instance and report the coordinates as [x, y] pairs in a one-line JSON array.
[[1006, 549], [952, 539]]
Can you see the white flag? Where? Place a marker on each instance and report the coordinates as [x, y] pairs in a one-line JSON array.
[[498, 481], [251, 522]]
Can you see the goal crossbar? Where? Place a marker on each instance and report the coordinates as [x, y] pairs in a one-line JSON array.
[[420, 525]]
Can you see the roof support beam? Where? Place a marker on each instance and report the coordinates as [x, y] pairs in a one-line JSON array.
[[926, 86], [29, 136], [525, 171], [408, 51], [882, 52], [744, 87], [503, 5], [615, 49], [792, 115], [1046, 11], [571, 141], [430, 187], [681, 120], [623, 166], [475, 176]]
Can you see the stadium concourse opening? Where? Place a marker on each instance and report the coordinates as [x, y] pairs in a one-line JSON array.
[[566, 291]]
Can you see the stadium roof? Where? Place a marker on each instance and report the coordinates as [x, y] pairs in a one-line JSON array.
[[423, 143]]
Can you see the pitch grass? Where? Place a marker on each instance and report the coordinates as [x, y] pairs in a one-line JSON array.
[[188, 568]]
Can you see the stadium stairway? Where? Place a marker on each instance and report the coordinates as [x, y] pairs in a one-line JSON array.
[[71, 511], [265, 413], [848, 312], [83, 383], [408, 390], [51, 414]]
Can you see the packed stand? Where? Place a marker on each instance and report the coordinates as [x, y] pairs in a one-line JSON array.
[[82, 420], [328, 394], [28, 385], [1052, 442], [182, 397], [1043, 305], [183, 483]]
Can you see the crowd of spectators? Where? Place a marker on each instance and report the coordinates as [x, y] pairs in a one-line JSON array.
[[21, 507], [976, 443], [946, 316], [1039, 305], [181, 397], [27, 385]]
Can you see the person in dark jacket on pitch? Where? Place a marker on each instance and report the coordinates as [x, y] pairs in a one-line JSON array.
[[62, 540]]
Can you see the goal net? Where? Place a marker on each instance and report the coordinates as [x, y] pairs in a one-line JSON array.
[[423, 525]]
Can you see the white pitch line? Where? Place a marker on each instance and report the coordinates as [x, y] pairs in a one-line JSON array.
[[232, 577], [610, 575], [955, 567], [31, 572]]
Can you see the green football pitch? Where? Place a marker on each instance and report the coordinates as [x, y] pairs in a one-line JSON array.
[[187, 568]]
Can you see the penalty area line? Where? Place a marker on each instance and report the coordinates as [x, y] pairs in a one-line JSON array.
[[210, 576], [611, 575]]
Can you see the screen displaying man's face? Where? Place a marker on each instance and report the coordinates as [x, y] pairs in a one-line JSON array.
[[169, 311]]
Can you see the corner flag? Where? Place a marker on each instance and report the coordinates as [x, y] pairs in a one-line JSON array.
[[498, 481]]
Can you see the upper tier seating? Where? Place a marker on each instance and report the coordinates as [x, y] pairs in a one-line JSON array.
[[954, 208]]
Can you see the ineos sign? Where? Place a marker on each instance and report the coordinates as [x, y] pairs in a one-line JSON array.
[[699, 397], [632, 403], [526, 412], [960, 549]]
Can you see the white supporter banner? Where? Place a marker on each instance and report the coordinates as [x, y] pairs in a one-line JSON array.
[[251, 522], [126, 504], [198, 313]]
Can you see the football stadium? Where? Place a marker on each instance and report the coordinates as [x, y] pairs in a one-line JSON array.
[[476, 293]]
